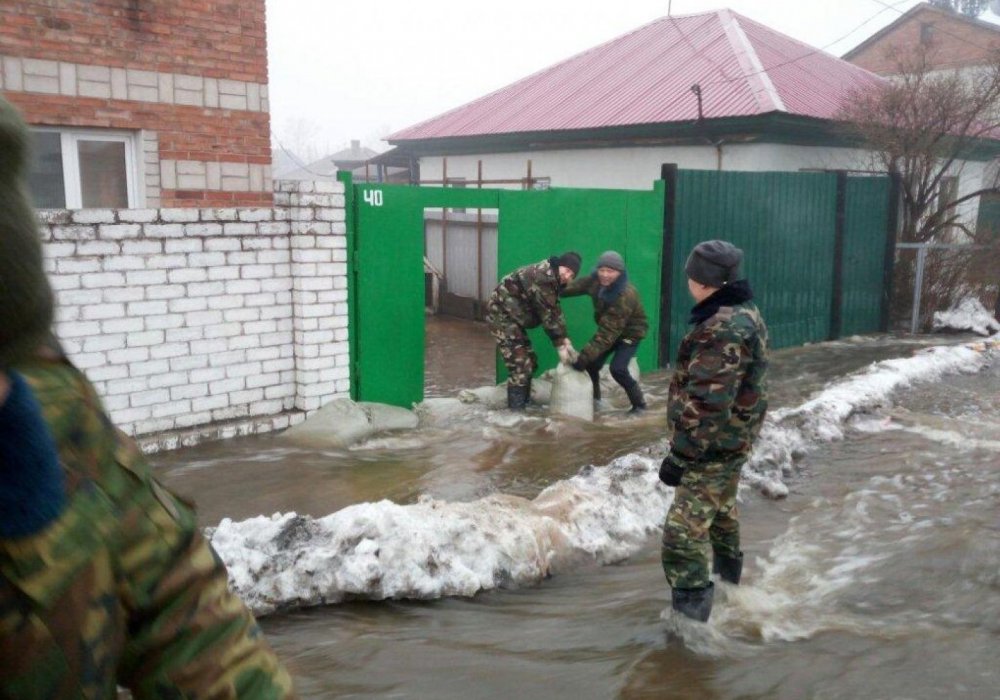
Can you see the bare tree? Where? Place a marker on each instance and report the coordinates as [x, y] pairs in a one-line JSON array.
[[925, 124]]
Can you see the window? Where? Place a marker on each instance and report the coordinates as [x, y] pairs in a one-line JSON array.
[[926, 33], [84, 169]]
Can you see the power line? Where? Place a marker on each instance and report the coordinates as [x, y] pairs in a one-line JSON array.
[[813, 52]]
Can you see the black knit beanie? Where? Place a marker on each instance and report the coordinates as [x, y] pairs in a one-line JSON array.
[[714, 263], [25, 296], [570, 260]]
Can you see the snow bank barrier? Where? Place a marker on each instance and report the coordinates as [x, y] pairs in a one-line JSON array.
[[968, 315], [603, 515]]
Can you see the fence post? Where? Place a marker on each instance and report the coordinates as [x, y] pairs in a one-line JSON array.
[[668, 173], [891, 233], [837, 303], [918, 289]]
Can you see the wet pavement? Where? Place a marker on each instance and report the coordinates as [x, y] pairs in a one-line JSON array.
[[876, 577]]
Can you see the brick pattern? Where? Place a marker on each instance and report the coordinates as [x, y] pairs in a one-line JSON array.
[[210, 38], [47, 77], [206, 322], [955, 43], [192, 71]]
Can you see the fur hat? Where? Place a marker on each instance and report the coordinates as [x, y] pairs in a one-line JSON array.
[[612, 259], [714, 263], [25, 296]]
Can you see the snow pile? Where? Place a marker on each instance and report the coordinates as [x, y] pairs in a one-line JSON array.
[[790, 433], [434, 548], [603, 515], [968, 315]]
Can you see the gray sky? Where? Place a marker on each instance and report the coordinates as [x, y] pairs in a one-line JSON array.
[[344, 70]]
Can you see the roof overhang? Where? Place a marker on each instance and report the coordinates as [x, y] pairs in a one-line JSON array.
[[774, 128]]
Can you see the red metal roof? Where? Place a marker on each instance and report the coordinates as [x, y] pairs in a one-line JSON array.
[[645, 77]]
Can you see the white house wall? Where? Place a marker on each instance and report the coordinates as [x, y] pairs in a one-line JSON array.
[[637, 167]]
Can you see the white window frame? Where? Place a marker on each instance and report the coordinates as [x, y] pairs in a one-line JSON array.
[[68, 144]]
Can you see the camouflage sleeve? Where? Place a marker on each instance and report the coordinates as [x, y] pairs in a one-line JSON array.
[[189, 635], [704, 403], [576, 288], [612, 324], [546, 300]]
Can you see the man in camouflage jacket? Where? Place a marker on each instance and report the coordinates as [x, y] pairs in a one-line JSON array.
[[717, 402], [621, 324], [105, 577], [527, 298]]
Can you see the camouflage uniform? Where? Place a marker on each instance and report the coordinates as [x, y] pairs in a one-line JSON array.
[[122, 588], [526, 298], [116, 584], [717, 402], [619, 316]]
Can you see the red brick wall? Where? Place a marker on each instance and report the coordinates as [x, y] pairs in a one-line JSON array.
[[955, 43], [198, 37], [212, 39]]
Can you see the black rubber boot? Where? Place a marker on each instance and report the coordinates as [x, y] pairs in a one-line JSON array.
[[517, 397], [695, 603], [729, 569], [634, 393]]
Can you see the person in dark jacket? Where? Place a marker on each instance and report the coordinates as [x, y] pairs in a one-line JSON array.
[[527, 298], [621, 324], [716, 405]]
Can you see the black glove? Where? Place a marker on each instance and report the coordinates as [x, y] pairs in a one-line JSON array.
[[579, 365], [670, 471]]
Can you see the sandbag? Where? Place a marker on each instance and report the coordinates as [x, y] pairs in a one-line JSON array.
[[492, 396], [384, 417], [343, 422], [572, 394]]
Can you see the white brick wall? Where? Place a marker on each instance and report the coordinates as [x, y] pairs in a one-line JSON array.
[[196, 322]]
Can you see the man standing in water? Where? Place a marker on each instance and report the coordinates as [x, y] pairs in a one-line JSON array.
[[717, 402], [527, 298], [621, 324], [105, 576]]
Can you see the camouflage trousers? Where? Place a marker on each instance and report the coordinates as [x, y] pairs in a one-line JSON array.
[[514, 346], [122, 588], [701, 519]]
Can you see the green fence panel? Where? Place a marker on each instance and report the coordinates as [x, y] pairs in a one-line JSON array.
[[866, 216], [537, 224], [785, 223], [387, 285]]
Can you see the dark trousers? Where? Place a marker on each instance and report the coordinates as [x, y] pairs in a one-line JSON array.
[[622, 351]]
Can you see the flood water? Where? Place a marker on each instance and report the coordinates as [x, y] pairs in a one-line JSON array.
[[878, 576]]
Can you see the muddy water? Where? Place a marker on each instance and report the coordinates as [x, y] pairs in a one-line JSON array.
[[879, 576]]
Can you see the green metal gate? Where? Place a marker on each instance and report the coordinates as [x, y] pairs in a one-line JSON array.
[[815, 253], [814, 243]]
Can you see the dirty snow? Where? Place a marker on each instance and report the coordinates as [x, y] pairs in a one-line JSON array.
[[602, 515], [968, 315]]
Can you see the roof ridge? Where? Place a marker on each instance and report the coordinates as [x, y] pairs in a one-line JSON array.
[[765, 93]]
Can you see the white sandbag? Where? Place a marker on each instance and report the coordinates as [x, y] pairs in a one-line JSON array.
[[541, 390], [343, 422], [572, 393], [384, 417], [492, 396], [337, 424], [430, 411]]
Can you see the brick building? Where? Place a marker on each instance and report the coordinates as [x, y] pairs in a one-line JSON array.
[[957, 42], [136, 104]]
